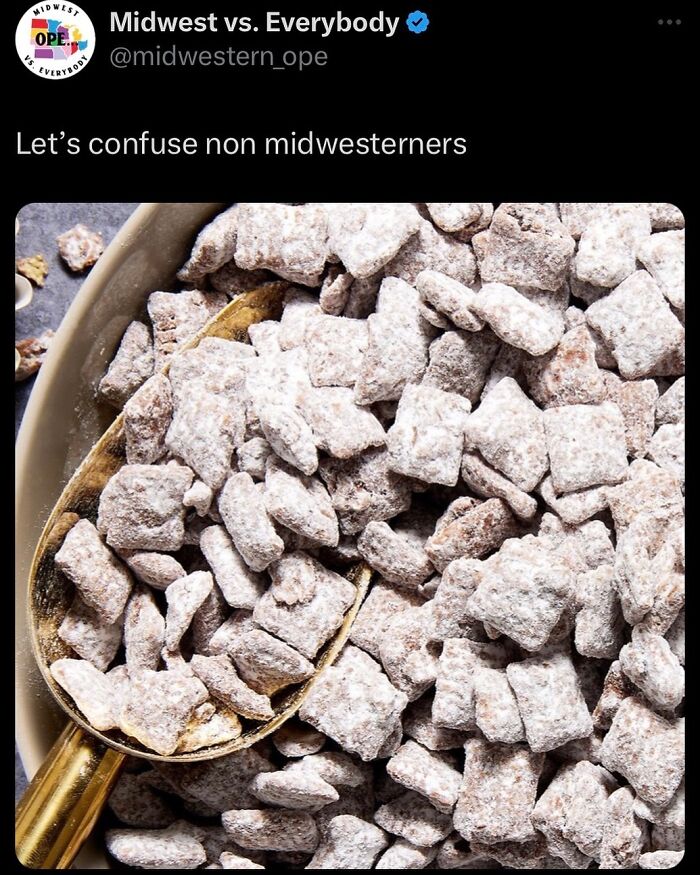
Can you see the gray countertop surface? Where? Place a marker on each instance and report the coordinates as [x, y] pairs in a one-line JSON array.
[[40, 224]]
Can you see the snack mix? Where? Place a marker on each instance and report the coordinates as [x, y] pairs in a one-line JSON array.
[[484, 403]]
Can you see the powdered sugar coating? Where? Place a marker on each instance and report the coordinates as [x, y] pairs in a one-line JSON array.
[[517, 320], [89, 635], [391, 554], [176, 318], [340, 427], [300, 503], [428, 773], [348, 843], [271, 829], [412, 817], [267, 664], [91, 690], [214, 246], [450, 297], [147, 416], [131, 366], [242, 508]]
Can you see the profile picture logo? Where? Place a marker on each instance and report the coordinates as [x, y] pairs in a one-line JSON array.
[[55, 40]]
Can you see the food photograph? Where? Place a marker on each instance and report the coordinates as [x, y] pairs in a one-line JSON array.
[[350, 535]]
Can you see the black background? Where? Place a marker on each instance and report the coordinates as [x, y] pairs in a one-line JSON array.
[[578, 102]]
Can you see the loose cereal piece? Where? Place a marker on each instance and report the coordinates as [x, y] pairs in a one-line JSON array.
[[670, 408], [80, 247], [300, 503], [102, 581], [476, 532], [586, 813], [517, 320], [156, 569], [377, 705], [339, 426], [638, 325], [289, 434], [648, 490], [427, 773], [221, 679], [144, 630], [455, 217], [293, 789], [291, 241], [213, 248], [240, 586], [366, 236], [508, 362], [496, 708], [669, 595], [397, 351], [131, 367], [223, 725], [586, 445], [199, 496], [460, 361], [32, 351], [393, 555], [650, 664], [667, 449], [486, 481], [252, 457], [660, 859], [634, 573], [135, 803], [171, 848], [567, 375], [450, 297], [335, 346], [507, 429], [497, 793], [413, 818], [234, 861], [599, 623], [271, 829], [550, 700], [647, 749], [451, 619], [89, 636], [147, 417], [267, 664], [576, 217], [157, 707], [574, 507], [430, 249], [637, 402], [527, 246], [454, 704], [141, 507], [204, 432], [624, 834], [663, 255], [208, 619], [336, 768], [91, 690], [609, 243], [184, 597], [545, 587], [348, 843], [378, 609], [455, 853], [305, 604], [177, 317], [335, 290], [665, 217], [215, 366], [294, 739], [670, 818], [676, 637], [549, 816], [363, 489], [408, 651], [242, 507], [35, 268], [427, 437], [265, 337], [300, 310], [404, 855]]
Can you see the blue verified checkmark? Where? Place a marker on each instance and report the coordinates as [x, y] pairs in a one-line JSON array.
[[417, 22]]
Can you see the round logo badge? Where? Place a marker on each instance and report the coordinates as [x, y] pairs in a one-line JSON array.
[[55, 40]]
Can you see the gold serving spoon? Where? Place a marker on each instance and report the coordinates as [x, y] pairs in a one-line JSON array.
[[65, 798]]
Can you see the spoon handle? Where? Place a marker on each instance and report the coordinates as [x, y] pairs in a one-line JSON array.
[[65, 798]]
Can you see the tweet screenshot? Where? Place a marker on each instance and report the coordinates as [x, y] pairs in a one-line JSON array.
[[350, 531]]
